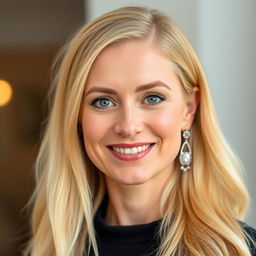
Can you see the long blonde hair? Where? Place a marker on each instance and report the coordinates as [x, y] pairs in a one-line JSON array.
[[200, 208]]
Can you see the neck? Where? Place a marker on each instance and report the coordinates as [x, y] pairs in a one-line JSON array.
[[134, 204]]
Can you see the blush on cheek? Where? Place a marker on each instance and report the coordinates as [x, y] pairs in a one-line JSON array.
[[94, 129], [166, 124]]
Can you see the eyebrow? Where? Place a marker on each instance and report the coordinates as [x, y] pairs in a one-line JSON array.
[[138, 89]]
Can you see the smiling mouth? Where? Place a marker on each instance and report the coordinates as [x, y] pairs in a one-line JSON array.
[[130, 152]]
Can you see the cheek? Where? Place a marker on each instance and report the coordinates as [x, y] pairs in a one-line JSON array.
[[94, 128], [167, 123], [167, 126], [94, 131]]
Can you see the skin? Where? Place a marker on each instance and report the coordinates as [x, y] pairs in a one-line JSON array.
[[135, 187]]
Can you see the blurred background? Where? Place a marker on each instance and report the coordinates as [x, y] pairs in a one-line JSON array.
[[31, 33]]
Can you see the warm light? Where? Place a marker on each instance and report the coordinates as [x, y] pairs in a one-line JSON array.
[[5, 92]]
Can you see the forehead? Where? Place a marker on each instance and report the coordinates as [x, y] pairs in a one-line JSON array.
[[131, 62], [134, 50]]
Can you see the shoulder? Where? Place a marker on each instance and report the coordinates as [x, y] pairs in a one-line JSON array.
[[251, 236]]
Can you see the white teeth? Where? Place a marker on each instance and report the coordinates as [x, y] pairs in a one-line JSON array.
[[132, 151], [127, 151]]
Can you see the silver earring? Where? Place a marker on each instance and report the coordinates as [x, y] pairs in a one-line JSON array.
[[185, 156]]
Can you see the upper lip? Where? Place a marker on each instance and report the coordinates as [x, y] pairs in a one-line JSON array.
[[124, 145]]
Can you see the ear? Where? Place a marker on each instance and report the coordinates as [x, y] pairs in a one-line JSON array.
[[192, 102]]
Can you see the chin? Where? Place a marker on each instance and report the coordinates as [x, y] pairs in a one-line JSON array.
[[134, 180], [132, 183]]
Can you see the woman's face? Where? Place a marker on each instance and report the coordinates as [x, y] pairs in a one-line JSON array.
[[133, 112]]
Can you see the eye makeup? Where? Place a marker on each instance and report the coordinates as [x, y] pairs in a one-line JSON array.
[[151, 99]]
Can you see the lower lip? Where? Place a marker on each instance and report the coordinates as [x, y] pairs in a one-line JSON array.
[[131, 157]]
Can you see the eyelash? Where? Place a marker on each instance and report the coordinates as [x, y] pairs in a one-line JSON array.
[[160, 96]]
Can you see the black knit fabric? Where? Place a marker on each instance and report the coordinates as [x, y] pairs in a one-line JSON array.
[[252, 233], [136, 240]]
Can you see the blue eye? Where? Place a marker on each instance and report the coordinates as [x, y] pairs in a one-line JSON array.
[[154, 99], [102, 103]]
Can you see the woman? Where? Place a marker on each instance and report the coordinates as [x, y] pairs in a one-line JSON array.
[[133, 161]]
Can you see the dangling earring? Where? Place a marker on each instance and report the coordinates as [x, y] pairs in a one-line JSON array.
[[185, 156]]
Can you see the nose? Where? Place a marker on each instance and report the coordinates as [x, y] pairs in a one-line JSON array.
[[129, 122]]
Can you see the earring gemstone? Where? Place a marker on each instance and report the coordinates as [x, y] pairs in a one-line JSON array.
[[185, 158], [186, 134]]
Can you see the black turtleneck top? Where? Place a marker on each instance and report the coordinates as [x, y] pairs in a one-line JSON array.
[[135, 240]]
